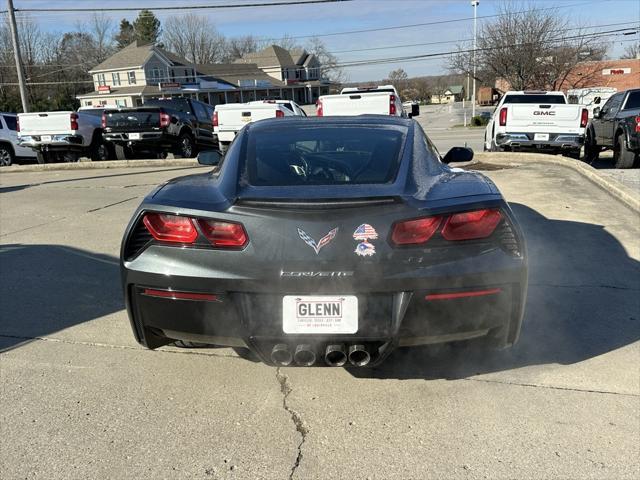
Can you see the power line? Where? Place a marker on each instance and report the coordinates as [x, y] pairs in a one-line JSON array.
[[185, 7]]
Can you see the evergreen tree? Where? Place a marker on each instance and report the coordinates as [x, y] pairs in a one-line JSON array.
[[146, 27], [126, 35]]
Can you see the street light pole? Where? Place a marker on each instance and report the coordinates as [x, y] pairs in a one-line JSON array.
[[474, 4], [16, 53]]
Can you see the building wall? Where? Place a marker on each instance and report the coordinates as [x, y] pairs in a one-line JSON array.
[[124, 77], [123, 101]]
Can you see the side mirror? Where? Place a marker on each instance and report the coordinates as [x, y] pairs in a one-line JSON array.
[[409, 115], [458, 154], [209, 157], [597, 101], [596, 112]]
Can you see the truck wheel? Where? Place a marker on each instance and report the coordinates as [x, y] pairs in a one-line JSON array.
[[100, 152], [591, 150], [622, 157], [70, 157], [186, 146], [574, 153], [6, 156], [494, 147], [42, 157]]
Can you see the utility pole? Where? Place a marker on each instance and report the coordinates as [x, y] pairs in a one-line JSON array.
[[474, 4], [16, 53]]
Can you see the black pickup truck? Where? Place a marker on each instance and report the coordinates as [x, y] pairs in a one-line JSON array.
[[178, 125], [616, 126]]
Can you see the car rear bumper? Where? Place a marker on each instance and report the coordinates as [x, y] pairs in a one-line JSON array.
[[57, 143], [556, 141], [144, 140], [391, 313]]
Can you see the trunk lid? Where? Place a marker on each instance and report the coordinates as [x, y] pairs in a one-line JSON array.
[[45, 123], [135, 120]]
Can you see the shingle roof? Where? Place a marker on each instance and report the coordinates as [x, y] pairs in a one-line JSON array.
[[271, 56], [235, 72], [455, 89], [135, 55]]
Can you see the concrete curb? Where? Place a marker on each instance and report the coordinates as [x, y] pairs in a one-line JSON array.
[[621, 192], [88, 165]]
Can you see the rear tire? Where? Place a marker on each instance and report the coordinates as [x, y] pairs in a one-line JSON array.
[[186, 146], [100, 151], [622, 157], [494, 147], [575, 154], [6, 156], [42, 157], [591, 149]]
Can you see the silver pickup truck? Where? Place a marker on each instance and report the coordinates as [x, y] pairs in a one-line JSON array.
[[64, 136]]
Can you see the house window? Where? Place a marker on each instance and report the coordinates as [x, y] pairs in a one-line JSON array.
[[121, 103], [115, 77], [102, 81], [132, 78], [88, 103], [138, 102]]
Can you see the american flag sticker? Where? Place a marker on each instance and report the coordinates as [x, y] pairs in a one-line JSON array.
[[365, 232]]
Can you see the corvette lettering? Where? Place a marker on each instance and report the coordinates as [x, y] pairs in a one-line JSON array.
[[316, 274]]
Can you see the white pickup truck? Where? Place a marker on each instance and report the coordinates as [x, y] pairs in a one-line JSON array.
[[380, 100], [230, 118], [64, 136], [540, 121]]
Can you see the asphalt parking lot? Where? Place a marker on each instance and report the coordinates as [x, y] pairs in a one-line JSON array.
[[80, 399]]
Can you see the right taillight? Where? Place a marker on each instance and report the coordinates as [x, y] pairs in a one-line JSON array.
[[170, 228], [503, 117], [215, 119], [458, 226], [279, 113], [584, 118], [392, 104], [223, 234], [104, 120], [18, 124], [319, 108], [165, 119], [471, 225], [637, 125]]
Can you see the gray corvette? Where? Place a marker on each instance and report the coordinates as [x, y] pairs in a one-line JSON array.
[[326, 241]]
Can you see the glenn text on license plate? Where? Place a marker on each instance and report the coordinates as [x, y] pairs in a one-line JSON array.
[[319, 314]]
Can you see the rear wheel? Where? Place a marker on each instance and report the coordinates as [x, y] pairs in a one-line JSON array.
[[622, 157], [186, 146], [6, 156], [591, 149], [573, 153], [43, 157], [70, 157], [100, 151]]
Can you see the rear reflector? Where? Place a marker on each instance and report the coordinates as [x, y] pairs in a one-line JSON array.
[[584, 118], [170, 228], [207, 297], [503, 116], [471, 225], [414, 232], [224, 234], [451, 296]]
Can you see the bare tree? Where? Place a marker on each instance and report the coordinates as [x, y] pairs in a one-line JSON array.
[[632, 51], [195, 38], [399, 79], [329, 64], [238, 47], [528, 48]]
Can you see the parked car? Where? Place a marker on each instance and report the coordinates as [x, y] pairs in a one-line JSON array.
[[178, 125], [616, 126], [536, 120], [380, 100], [10, 150], [326, 242], [64, 136], [230, 118]]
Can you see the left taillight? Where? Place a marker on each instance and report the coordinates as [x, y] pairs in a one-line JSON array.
[[223, 234], [170, 228], [392, 104], [637, 124], [472, 225], [165, 119], [215, 119], [279, 113], [104, 120], [584, 118], [18, 124], [74, 121]]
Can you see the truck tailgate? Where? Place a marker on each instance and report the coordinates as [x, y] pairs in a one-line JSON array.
[[233, 119], [45, 123], [356, 104], [543, 118]]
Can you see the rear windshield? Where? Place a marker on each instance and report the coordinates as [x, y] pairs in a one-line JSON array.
[[11, 122], [344, 155], [633, 101], [133, 118], [548, 99]]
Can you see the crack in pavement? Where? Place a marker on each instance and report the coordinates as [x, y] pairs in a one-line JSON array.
[[296, 418], [550, 387]]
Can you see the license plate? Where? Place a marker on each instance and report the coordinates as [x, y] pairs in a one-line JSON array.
[[45, 138], [541, 137], [319, 314], [134, 136]]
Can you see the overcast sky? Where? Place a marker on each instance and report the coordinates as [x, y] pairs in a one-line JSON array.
[[321, 19]]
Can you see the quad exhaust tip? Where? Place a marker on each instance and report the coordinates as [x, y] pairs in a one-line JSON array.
[[335, 355], [358, 355], [304, 355], [280, 355]]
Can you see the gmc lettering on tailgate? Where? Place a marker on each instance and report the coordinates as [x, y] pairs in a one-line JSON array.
[[550, 113]]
